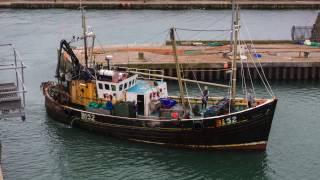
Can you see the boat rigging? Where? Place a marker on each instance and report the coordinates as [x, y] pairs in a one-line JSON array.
[[236, 30], [134, 104]]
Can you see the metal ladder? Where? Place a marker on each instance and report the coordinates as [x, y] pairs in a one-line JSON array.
[[12, 94]]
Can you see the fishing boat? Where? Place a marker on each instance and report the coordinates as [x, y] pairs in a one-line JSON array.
[[133, 104]]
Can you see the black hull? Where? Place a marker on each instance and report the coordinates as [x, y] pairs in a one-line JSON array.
[[249, 131]]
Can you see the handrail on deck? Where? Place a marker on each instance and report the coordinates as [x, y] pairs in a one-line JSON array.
[[148, 71]]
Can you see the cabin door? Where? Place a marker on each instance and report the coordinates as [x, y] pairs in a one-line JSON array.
[[140, 104]]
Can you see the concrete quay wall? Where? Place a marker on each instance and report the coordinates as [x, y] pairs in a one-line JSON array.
[[160, 4], [273, 71]]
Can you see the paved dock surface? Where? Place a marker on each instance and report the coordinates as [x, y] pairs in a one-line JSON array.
[[162, 54], [162, 4], [280, 61]]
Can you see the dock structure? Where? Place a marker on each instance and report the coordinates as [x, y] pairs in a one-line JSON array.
[[12, 94], [161, 4], [279, 61]]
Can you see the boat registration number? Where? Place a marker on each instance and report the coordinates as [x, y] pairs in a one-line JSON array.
[[227, 121], [87, 117], [231, 120]]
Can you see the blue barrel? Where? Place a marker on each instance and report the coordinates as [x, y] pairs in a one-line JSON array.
[[167, 103]]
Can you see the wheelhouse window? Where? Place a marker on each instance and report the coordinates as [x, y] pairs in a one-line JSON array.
[[125, 85], [120, 87], [113, 88], [106, 87], [129, 83], [100, 86]]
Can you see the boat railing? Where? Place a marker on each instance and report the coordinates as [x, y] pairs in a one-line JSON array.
[[147, 71], [12, 94]]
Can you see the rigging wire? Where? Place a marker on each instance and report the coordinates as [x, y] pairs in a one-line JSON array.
[[151, 55], [258, 71], [198, 31], [185, 84], [195, 77], [204, 30], [264, 76], [263, 73], [193, 73], [102, 48], [244, 84], [222, 35], [188, 97], [230, 91], [206, 70], [243, 78], [191, 70], [156, 35], [250, 77]]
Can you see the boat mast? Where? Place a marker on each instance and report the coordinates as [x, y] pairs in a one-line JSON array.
[[175, 56], [232, 24], [84, 27], [235, 53]]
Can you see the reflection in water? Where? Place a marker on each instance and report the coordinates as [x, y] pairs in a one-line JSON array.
[[108, 157]]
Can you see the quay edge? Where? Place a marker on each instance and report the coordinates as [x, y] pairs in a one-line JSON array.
[[279, 60], [272, 70], [161, 5]]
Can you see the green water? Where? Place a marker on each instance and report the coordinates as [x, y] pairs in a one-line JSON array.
[[40, 148]]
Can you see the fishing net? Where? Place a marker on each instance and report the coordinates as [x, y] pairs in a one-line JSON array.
[[301, 33]]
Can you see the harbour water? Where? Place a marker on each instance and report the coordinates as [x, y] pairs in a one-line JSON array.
[[40, 148]]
